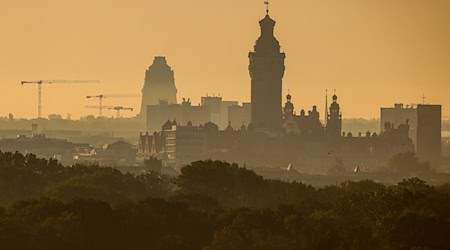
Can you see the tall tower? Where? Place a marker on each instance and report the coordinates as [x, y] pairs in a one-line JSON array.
[[159, 84], [266, 71], [334, 119]]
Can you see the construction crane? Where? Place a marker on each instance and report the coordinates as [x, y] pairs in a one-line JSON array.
[[40, 82], [100, 99], [116, 108]]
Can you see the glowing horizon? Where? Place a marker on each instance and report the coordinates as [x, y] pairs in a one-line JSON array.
[[374, 53]]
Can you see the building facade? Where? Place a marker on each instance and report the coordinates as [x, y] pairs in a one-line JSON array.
[[182, 113]]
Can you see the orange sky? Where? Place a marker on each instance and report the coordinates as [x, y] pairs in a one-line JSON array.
[[374, 52]]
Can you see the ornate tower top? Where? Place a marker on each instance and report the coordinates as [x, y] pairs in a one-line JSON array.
[[289, 97], [267, 43], [267, 24], [288, 107]]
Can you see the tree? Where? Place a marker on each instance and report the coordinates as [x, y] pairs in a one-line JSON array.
[[407, 163], [227, 183]]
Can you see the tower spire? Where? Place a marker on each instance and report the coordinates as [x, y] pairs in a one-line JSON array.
[[267, 6]]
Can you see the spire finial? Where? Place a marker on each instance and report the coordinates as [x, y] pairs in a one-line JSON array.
[[267, 6]]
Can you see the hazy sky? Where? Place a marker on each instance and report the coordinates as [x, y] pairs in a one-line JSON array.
[[374, 52]]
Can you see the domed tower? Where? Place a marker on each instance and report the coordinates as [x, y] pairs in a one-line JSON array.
[[266, 72], [334, 119], [159, 84], [288, 107]]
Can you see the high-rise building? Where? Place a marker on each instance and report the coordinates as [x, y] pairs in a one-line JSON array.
[[159, 85], [400, 114], [425, 128], [429, 124], [266, 72]]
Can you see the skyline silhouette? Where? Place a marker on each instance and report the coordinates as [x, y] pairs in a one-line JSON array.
[[375, 54]]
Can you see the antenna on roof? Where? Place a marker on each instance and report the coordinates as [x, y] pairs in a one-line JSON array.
[[267, 7]]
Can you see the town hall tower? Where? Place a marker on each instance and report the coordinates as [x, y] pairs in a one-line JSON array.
[[266, 72]]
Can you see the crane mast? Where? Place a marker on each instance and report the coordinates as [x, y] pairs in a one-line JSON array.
[[102, 96], [100, 104], [118, 109], [40, 82]]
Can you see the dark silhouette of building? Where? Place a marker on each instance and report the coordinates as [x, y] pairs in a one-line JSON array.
[[427, 138], [334, 119], [429, 122], [304, 124], [183, 113], [393, 140], [400, 114], [159, 84], [184, 143], [266, 72], [288, 109], [275, 135], [212, 108]]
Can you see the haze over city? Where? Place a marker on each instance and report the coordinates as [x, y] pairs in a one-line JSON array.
[[375, 53], [224, 125]]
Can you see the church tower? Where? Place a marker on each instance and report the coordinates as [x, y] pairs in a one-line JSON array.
[[334, 119], [159, 85], [266, 72]]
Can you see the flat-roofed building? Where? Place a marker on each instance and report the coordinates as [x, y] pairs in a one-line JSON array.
[[429, 126]]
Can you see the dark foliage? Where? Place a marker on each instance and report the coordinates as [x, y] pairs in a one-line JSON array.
[[25, 177], [216, 206]]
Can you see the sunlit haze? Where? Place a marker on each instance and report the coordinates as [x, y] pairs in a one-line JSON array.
[[374, 53]]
